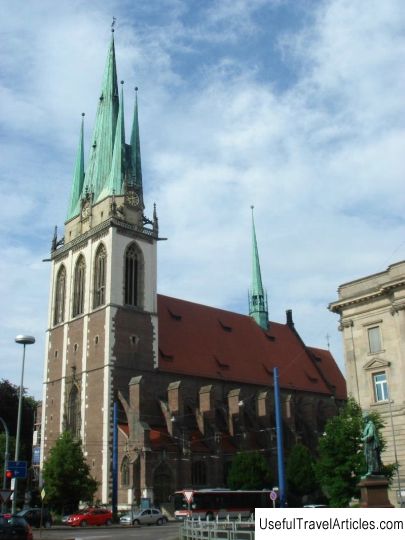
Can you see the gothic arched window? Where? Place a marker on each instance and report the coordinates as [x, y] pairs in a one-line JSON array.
[[198, 473], [78, 287], [73, 412], [59, 305], [99, 276], [133, 271], [125, 472], [163, 484]]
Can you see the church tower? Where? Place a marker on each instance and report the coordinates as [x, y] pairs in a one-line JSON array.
[[102, 325]]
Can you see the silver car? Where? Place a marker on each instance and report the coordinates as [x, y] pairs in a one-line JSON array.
[[148, 516]]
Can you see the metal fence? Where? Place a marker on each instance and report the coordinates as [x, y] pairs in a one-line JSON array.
[[217, 530]]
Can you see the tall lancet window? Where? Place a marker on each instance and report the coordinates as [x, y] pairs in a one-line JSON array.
[[73, 412], [78, 287], [125, 472], [59, 304], [99, 276], [133, 272]]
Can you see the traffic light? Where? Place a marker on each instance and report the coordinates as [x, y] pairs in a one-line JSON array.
[[9, 474]]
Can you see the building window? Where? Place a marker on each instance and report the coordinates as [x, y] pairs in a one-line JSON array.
[[73, 412], [99, 277], [78, 288], [59, 310], [125, 472], [380, 386], [132, 276], [198, 474], [374, 339]]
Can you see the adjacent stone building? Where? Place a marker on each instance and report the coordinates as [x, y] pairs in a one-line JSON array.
[[194, 384], [372, 320]]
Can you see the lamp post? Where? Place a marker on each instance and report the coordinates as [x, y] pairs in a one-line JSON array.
[[23, 340], [280, 447]]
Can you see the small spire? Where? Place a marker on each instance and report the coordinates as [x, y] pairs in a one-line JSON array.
[[155, 219], [78, 178], [136, 167], [54, 239], [257, 298]]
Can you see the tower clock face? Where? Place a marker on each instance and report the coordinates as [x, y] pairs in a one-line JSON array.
[[132, 199]]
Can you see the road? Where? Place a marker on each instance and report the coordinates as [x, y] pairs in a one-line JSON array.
[[170, 531]]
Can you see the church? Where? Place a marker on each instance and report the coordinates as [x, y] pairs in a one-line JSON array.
[[189, 385]]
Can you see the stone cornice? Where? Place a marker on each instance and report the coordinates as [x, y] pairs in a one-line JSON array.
[[81, 240], [340, 305]]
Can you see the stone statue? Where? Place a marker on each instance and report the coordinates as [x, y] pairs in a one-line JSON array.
[[372, 447]]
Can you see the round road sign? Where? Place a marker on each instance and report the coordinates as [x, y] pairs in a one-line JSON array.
[[273, 495]]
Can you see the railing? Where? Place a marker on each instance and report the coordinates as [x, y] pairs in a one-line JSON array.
[[193, 529]]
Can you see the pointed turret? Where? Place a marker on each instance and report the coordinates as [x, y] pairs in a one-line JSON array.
[[136, 168], [115, 182], [257, 296], [101, 154], [78, 179], [155, 220]]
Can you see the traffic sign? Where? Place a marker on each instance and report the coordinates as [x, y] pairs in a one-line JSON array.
[[5, 494], [273, 495], [43, 493], [188, 494], [19, 468]]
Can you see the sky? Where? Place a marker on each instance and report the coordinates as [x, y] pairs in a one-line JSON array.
[[294, 106]]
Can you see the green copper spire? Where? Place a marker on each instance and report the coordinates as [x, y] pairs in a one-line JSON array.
[[257, 297], [136, 168], [101, 154], [115, 182], [78, 179]]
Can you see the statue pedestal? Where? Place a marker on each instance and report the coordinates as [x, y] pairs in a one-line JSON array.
[[374, 492]]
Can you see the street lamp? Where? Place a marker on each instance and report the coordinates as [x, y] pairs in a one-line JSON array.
[[23, 340]]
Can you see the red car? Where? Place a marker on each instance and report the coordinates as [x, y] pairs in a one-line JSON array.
[[90, 516]]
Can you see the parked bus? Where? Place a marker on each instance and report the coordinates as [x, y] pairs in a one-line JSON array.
[[210, 503]]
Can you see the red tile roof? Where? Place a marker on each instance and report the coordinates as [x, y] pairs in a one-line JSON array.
[[330, 371], [208, 342], [197, 443], [160, 438], [227, 445]]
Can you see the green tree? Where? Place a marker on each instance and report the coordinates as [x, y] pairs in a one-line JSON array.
[[341, 460], [249, 470], [340, 456], [66, 474], [9, 396], [300, 475]]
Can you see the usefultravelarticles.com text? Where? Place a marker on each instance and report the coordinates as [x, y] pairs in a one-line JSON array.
[[342, 523]]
